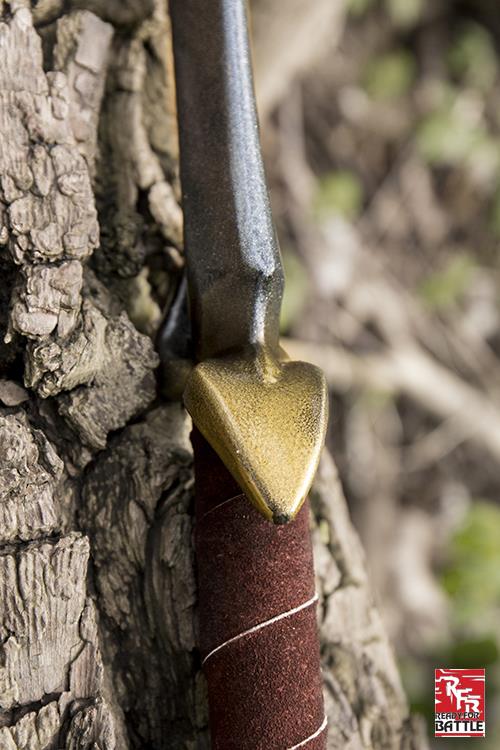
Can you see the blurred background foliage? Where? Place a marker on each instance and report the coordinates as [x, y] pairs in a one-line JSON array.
[[383, 155]]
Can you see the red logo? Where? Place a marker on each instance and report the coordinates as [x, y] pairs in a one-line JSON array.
[[459, 699]]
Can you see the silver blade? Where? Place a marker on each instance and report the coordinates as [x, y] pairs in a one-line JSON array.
[[234, 266]]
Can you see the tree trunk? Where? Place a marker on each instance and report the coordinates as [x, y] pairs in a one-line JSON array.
[[97, 584]]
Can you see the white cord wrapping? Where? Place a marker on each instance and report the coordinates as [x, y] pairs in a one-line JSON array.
[[224, 502], [313, 736], [264, 624], [261, 625]]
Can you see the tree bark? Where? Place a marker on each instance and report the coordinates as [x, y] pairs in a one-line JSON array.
[[97, 582]]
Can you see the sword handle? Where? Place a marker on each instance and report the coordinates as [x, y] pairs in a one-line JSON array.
[[257, 618]]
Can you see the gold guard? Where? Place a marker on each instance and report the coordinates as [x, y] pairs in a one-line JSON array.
[[266, 418]]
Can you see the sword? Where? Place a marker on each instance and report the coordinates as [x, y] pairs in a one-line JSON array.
[[259, 419]]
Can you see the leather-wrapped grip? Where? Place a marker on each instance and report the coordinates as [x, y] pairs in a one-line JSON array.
[[257, 618]]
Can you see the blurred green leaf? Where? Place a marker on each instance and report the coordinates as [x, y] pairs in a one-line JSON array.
[[472, 653], [445, 138], [472, 574], [390, 76], [445, 288], [495, 214], [484, 161], [472, 57], [405, 13], [455, 135], [296, 290], [325, 532], [338, 193], [376, 400], [418, 679], [359, 7]]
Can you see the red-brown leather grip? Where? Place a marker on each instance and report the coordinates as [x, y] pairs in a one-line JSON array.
[[257, 618]]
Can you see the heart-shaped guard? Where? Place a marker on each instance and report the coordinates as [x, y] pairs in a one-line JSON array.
[[266, 418]]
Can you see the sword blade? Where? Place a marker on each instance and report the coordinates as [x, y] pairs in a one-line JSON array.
[[233, 260]]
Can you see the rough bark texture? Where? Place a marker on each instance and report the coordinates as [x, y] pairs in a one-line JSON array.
[[97, 583]]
